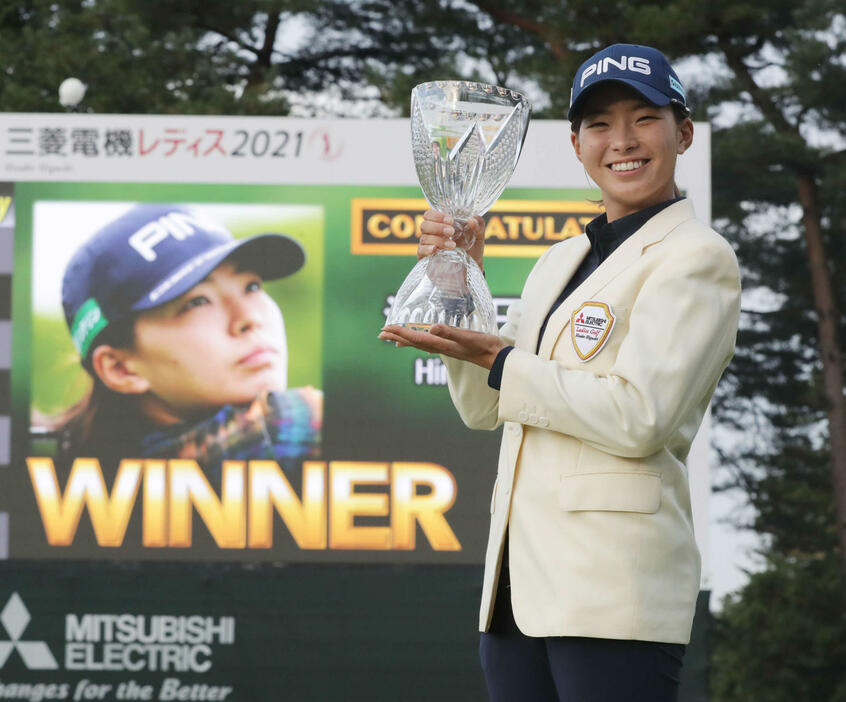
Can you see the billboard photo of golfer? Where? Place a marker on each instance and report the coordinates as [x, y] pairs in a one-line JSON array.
[[185, 352]]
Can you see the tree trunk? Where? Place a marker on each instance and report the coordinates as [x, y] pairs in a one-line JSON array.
[[257, 78], [828, 319]]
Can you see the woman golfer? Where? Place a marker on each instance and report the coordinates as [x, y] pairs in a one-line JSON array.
[[601, 376], [168, 314]]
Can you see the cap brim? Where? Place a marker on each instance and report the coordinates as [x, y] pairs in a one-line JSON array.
[[654, 96], [272, 256]]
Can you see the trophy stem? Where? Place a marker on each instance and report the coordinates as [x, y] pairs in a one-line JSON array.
[[447, 287]]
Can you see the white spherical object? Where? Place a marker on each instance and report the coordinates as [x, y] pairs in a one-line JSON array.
[[71, 92]]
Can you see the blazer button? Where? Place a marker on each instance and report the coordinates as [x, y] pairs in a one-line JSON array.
[[522, 416], [543, 421], [533, 419]]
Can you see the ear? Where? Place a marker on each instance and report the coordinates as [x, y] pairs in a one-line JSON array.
[[685, 135], [577, 147], [112, 367]]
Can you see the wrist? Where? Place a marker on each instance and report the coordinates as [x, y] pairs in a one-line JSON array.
[[488, 360]]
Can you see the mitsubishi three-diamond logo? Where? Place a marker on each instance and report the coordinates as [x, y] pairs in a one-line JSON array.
[[35, 654]]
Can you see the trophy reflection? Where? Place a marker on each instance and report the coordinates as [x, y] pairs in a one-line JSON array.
[[466, 138]]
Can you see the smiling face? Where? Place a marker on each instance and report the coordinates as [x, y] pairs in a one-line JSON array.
[[221, 342], [629, 147]]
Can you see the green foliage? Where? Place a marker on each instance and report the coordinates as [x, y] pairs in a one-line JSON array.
[[216, 57], [130, 63], [783, 639]]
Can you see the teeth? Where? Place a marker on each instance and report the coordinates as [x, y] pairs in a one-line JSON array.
[[627, 166]]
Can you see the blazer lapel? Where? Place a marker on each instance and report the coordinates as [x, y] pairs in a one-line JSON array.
[[560, 267], [654, 231]]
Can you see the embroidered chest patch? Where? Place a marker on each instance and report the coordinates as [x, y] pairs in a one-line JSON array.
[[590, 327]]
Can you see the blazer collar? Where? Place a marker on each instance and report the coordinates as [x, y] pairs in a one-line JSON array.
[[565, 258], [652, 232]]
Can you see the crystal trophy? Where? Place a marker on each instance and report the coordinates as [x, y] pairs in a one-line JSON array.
[[466, 138]]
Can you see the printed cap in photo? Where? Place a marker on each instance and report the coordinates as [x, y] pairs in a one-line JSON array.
[[641, 67], [153, 254]]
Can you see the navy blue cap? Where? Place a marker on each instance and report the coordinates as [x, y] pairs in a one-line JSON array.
[[153, 254], [641, 67]]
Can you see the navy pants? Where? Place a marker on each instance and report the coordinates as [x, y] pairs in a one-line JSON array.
[[520, 668]]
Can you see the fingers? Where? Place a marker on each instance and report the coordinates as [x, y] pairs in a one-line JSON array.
[[392, 338], [403, 336], [476, 224], [440, 231], [444, 331], [435, 232], [436, 229], [429, 243], [441, 224], [387, 335], [437, 224], [394, 332], [435, 216]]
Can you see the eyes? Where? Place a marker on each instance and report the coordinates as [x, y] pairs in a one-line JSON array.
[[198, 299], [195, 301], [599, 122]]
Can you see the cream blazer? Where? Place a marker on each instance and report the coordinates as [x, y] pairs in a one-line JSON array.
[[592, 484]]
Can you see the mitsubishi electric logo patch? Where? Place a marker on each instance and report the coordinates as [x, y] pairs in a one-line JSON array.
[[15, 619], [591, 326]]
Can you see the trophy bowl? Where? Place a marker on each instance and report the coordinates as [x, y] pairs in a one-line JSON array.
[[466, 138]]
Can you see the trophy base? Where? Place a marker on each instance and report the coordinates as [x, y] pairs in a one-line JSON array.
[[445, 288]]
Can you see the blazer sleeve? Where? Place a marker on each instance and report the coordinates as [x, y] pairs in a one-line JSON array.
[[681, 336], [476, 402]]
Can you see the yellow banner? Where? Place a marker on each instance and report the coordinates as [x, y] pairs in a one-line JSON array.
[[516, 228]]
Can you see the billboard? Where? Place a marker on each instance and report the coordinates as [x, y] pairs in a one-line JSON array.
[[389, 474], [352, 456]]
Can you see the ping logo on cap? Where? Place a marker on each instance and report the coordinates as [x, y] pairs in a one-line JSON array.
[[178, 225], [626, 63]]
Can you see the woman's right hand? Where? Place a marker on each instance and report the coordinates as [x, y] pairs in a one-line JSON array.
[[436, 231]]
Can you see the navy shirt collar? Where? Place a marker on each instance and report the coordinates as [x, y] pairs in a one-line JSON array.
[[605, 237]]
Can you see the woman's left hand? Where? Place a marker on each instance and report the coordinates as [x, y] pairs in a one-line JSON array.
[[462, 344]]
